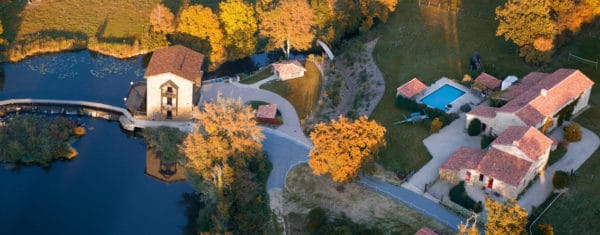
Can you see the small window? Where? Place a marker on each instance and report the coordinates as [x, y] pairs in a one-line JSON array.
[[481, 177], [170, 101], [169, 89]]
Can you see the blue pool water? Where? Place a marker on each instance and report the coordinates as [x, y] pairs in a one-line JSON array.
[[442, 97]]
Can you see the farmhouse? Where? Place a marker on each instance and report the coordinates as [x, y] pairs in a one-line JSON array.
[[539, 99], [512, 161], [289, 69], [172, 86]]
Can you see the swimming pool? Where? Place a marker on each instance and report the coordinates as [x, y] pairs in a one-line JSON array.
[[442, 97]]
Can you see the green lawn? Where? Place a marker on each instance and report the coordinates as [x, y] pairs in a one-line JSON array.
[[258, 76], [429, 43], [302, 92]]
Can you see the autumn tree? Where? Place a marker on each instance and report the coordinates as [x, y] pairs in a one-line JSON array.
[[525, 23], [436, 125], [289, 25], [372, 9], [226, 139], [572, 132], [201, 22], [240, 26], [545, 229], [469, 227], [162, 20], [342, 148], [165, 141], [504, 218]]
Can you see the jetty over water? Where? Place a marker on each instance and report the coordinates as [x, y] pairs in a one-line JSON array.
[[93, 109]]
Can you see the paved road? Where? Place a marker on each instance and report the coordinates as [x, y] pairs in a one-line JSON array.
[[291, 123], [285, 153], [415, 201], [577, 154]]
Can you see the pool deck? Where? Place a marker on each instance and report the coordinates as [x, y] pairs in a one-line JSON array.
[[468, 97]]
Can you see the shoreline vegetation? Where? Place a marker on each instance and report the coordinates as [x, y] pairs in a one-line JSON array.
[[35, 140]]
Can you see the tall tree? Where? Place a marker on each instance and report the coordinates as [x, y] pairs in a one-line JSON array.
[[529, 25], [201, 22], [240, 26], [342, 148], [372, 9], [226, 139], [162, 20], [289, 25], [504, 218]]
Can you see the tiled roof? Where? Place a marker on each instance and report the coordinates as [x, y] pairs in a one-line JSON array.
[[464, 158], [484, 111], [539, 95], [266, 111], [178, 60], [426, 231], [489, 81], [411, 88], [503, 166], [527, 139], [288, 66]]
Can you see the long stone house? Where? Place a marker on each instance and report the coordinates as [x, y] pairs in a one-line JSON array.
[[512, 161], [172, 86], [536, 100]]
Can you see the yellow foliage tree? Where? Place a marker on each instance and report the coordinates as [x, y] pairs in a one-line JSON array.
[[162, 20], [508, 218], [201, 22], [226, 138], [240, 26], [372, 9], [342, 148], [469, 227], [1, 31], [436, 125], [467, 78], [289, 25]]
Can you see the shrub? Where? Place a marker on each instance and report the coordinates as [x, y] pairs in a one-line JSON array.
[[460, 197], [560, 179], [467, 78], [486, 140], [317, 218], [436, 125], [572, 132], [474, 128], [413, 106], [465, 108], [545, 229]]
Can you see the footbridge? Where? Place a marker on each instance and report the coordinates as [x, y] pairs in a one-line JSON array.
[[93, 109]]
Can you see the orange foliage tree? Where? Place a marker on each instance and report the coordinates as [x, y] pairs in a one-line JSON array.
[[289, 25], [201, 22], [342, 148], [161, 19], [505, 218], [226, 139]]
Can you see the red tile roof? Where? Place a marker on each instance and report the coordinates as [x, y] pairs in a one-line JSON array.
[[504, 166], [527, 139], [411, 88], [464, 158], [426, 231], [539, 95], [288, 66], [266, 111], [178, 60], [489, 81], [484, 111]]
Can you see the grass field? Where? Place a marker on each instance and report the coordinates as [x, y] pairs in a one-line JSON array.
[[306, 191], [260, 75], [429, 43], [108, 22], [302, 92]]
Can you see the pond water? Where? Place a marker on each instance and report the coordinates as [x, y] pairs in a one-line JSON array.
[[104, 190]]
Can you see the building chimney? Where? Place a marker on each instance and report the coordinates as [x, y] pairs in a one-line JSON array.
[[544, 92], [515, 143]]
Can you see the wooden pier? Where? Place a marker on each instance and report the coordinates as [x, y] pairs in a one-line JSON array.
[[92, 109]]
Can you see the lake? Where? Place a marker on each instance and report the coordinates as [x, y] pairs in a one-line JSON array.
[[104, 190]]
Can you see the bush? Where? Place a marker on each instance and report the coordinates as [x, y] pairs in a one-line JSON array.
[[436, 125], [545, 229], [413, 106], [474, 127], [560, 179], [465, 108], [460, 197], [572, 132], [486, 140]]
